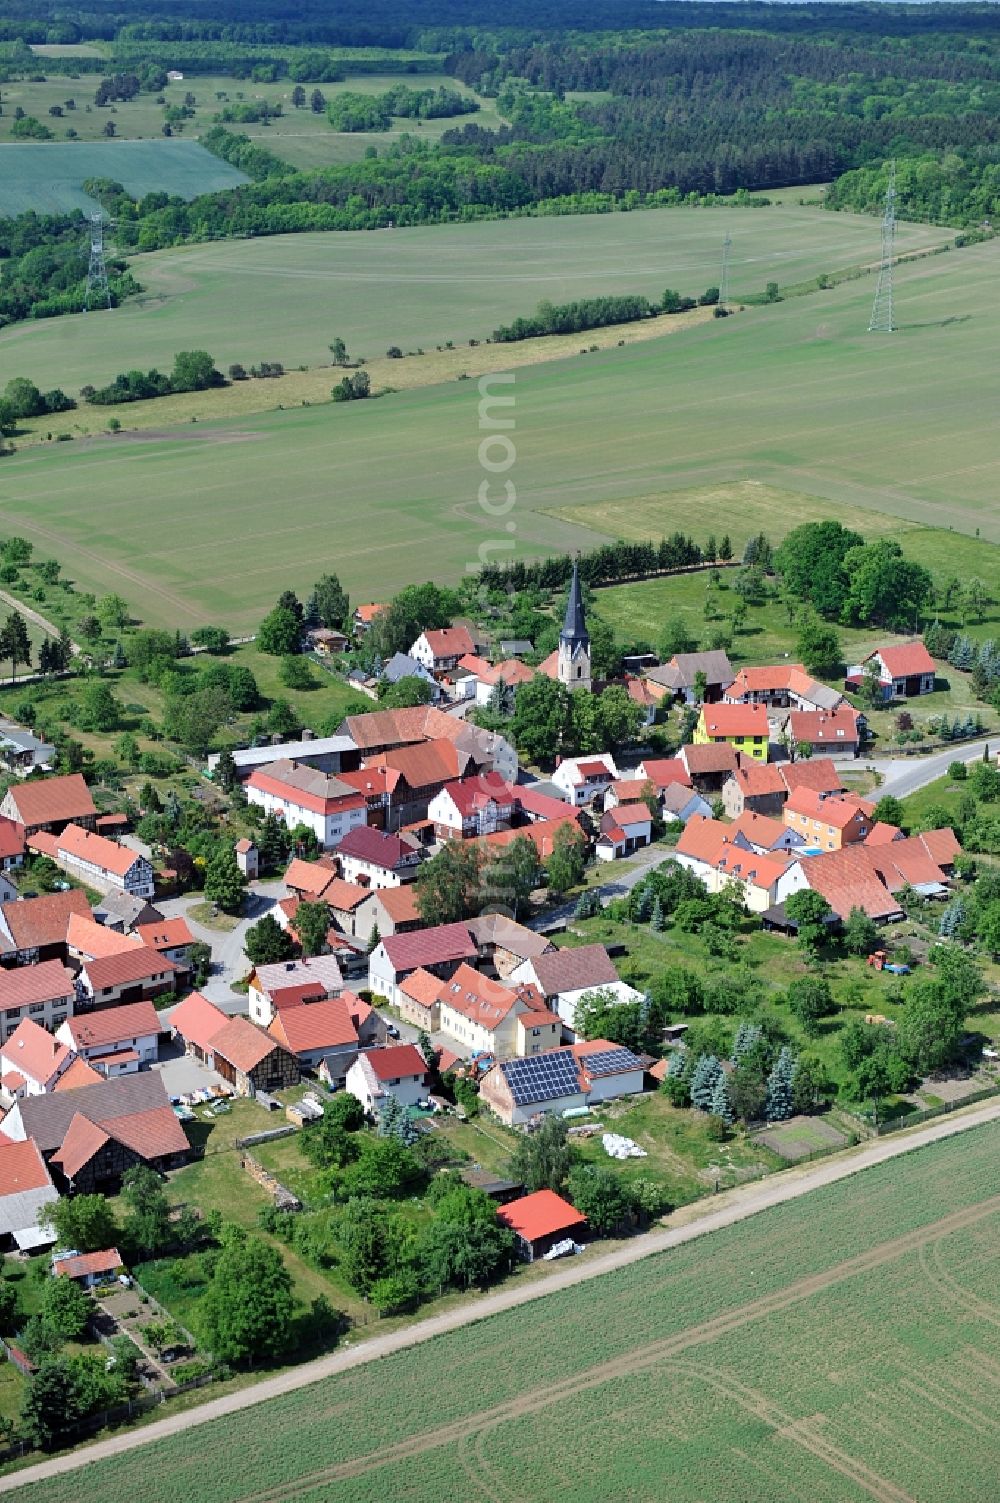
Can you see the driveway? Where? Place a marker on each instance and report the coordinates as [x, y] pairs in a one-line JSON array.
[[903, 775], [228, 960]]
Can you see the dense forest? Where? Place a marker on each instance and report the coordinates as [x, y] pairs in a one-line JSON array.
[[602, 107]]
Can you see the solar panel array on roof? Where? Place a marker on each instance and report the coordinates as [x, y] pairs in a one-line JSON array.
[[546, 1077], [610, 1062]]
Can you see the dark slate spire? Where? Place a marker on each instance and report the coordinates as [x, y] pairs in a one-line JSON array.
[[575, 627]]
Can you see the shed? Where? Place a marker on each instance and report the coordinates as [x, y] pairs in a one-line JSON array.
[[541, 1220]]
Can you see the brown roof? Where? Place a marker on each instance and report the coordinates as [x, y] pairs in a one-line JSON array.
[[427, 765], [35, 922], [821, 729], [308, 876], [109, 1104], [109, 1025], [449, 641], [243, 1044], [700, 760], [662, 771], [34, 983], [498, 929], [434, 946], [138, 964], [818, 773], [574, 970], [53, 800], [320, 1025], [848, 879], [21, 1168]]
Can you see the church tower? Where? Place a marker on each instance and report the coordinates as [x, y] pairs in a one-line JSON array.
[[574, 641]]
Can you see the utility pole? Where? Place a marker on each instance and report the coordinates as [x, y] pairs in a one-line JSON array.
[[98, 291], [881, 321]]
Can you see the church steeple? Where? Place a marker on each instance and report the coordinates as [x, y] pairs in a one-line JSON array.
[[574, 640]]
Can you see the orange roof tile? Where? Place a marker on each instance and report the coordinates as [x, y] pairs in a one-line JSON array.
[[543, 1214], [319, 1025], [311, 877], [197, 1020], [425, 765], [723, 721], [421, 987], [135, 965], [110, 1025], [818, 773], [78, 1074], [165, 934], [82, 1141], [47, 981], [33, 1051], [821, 729], [87, 937], [21, 1167], [52, 800], [907, 660], [105, 854], [397, 1062], [477, 997], [36, 922], [85, 1265], [243, 1044]]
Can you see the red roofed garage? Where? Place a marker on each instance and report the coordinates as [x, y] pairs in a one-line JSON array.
[[541, 1220]]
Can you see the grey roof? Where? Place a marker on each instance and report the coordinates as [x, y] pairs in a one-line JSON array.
[[13, 735], [715, 665], [400, 665], [542, 1077], [498, 929], [259, 756], [47, 1118], [515, 647], [122, 906], [21, 1212], [575, 626]]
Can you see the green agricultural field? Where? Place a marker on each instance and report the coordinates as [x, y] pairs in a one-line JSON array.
[[285, 297], [299, 136], [838, 1348], [47, 176], [211, 523]]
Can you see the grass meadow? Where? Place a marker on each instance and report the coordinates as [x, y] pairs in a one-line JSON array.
[[285, 297], [840, 1347], [47, 176], [212, 521]]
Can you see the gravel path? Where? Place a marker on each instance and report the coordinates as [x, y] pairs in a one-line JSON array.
[[695, 1221]]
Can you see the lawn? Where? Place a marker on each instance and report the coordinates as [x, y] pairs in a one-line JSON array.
[[876, 1293], [48, 176], [797, 396]]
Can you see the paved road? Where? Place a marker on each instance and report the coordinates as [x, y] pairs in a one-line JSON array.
[[903, 775], [735, 1205], [229, 962], [617, 884]]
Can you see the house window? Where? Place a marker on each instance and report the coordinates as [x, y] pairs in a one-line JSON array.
[[36, 1007]]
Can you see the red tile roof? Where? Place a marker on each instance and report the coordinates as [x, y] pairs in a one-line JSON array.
[[477, 998], [821, 729], [197, 1019], [421, 987], [450, 642], [426, 765], [375, 847], [284, 997], [906, 661], [626, 815], [110, 1025], [371, 781], [37, 922], [942, 845], [400, 903], [883, 834], [128, 966], [759, 830], [52, 801], [320, 1025], [703, 839], [724, 721], [662, 771], [78, 1074], [85, 1265], [367, 613], [345, 896], [21, 1168], [11, 839], [165, 934], [89, 938], [305, 787], [243, 1044], [848, 879], [592, 768], [82, 1141], [312, 877], [105, 854], [44, 982], [470, 794], [833, 811], [763, 680], [426, 947], [398, 1062], [543, 805], [33, 1051], [139, 1098], [811, 772], [543, 1214], [758, 779], [542, 833]]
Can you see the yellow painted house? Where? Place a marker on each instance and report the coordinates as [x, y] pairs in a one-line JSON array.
[[742, 726]]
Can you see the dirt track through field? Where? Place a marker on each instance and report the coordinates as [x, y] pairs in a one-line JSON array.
[[657, 1353], [730, 1208]]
